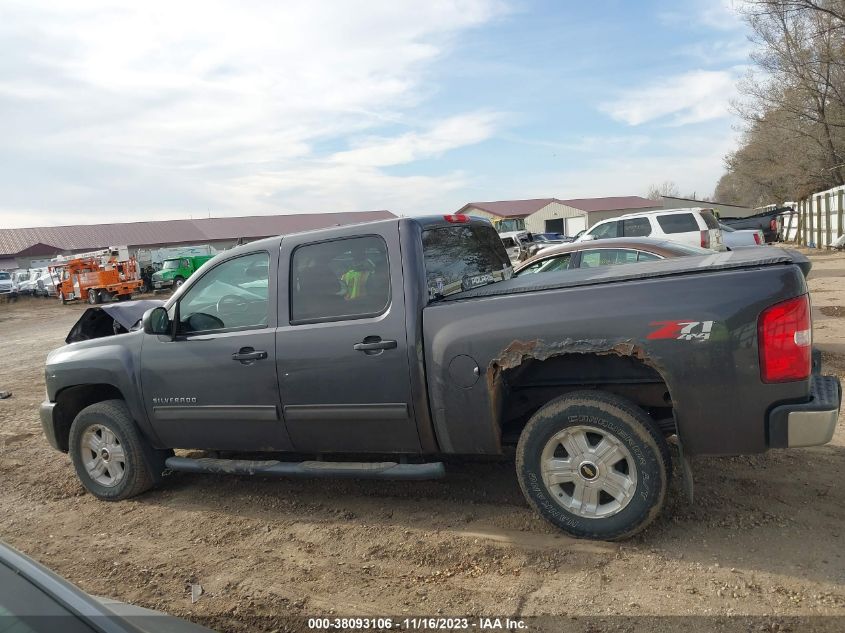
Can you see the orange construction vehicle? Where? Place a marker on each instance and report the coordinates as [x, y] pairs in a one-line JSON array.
[[96, 277]]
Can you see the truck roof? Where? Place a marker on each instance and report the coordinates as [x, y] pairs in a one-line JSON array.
[[424, 221]]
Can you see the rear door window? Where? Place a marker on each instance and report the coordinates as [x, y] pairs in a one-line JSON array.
[[607, 257], [606, 230], [677, 223], [636, 227], [340, 280]]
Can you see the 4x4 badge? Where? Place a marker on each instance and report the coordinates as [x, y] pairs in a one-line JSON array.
[[682, 330]]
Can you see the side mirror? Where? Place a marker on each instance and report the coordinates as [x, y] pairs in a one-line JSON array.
[[156, 321]]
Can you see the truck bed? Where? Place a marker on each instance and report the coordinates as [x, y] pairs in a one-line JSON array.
[[741, 258]]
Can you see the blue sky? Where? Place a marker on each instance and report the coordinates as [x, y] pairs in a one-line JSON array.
[[164, 110]]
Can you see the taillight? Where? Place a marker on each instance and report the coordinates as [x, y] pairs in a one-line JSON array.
[[757, 238], [785, 337], [457, 218], [705, 239]]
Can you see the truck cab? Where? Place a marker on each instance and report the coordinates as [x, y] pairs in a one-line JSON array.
[[176, 270]]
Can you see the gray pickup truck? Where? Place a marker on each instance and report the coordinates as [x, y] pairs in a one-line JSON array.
[[373, 350]]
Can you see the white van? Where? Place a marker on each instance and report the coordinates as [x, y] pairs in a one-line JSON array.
[[696, 227]]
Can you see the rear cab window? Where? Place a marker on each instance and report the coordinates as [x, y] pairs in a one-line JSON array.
[[677, 223], [462, 257]]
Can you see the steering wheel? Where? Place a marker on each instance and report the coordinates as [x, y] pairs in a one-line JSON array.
[[231, 304]]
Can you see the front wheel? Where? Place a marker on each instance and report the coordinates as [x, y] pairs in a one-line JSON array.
[[594, 464], [177, 283], [108, 452]]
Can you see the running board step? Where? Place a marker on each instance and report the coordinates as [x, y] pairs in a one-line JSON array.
[[272, 468]]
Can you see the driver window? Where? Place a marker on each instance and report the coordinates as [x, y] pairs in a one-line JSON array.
[[231, 295]]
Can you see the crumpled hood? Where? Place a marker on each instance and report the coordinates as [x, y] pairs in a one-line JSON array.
[[110, 319]]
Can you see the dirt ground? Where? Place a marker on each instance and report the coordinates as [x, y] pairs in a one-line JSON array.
[[766, 535]]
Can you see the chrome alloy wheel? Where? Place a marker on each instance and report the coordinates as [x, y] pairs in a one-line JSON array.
[[588, 471], [103, 455]]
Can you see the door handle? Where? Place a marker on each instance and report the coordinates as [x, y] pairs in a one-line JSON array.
[[373, 345], [248, 354]]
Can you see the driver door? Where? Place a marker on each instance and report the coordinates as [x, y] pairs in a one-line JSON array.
[[213, 384]]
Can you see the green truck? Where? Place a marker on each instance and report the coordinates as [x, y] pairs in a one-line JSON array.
[[175, 271]]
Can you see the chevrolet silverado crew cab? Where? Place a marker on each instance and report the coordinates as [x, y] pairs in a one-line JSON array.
[[373, 350]]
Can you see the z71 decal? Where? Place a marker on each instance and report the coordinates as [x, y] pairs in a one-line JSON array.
[[681, 330]]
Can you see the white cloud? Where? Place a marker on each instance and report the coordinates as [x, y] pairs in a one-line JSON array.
[[457, 131], [691, 97], [170, 105], [722, 15]]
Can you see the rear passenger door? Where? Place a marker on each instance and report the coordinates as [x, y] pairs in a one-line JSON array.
[[636, 227], [342, 353]]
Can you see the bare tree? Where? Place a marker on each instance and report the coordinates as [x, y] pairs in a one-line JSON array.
[[793, 103], [666, 188]]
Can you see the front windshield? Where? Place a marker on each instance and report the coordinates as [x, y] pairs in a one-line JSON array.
[[171, 264], [5, 276]]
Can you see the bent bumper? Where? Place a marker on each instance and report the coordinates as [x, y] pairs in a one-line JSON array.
[[48, 424], [809, 423]]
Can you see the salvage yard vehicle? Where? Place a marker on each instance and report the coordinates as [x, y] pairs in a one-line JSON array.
[[696, 227], [45, 285], [30, 286], [765, 221], [96, 277], [5, 282], [737, 238], [409, 338], [608, 252], [175, 271], [518, 245]]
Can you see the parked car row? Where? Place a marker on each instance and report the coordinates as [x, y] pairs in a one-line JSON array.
[[34, 282], [634, 237]]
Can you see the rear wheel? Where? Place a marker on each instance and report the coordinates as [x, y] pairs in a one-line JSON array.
[[594, 464], [112, 459], [93, 297]]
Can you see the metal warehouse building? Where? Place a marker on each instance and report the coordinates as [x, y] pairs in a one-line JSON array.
[[550, 215], [34, 247]]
